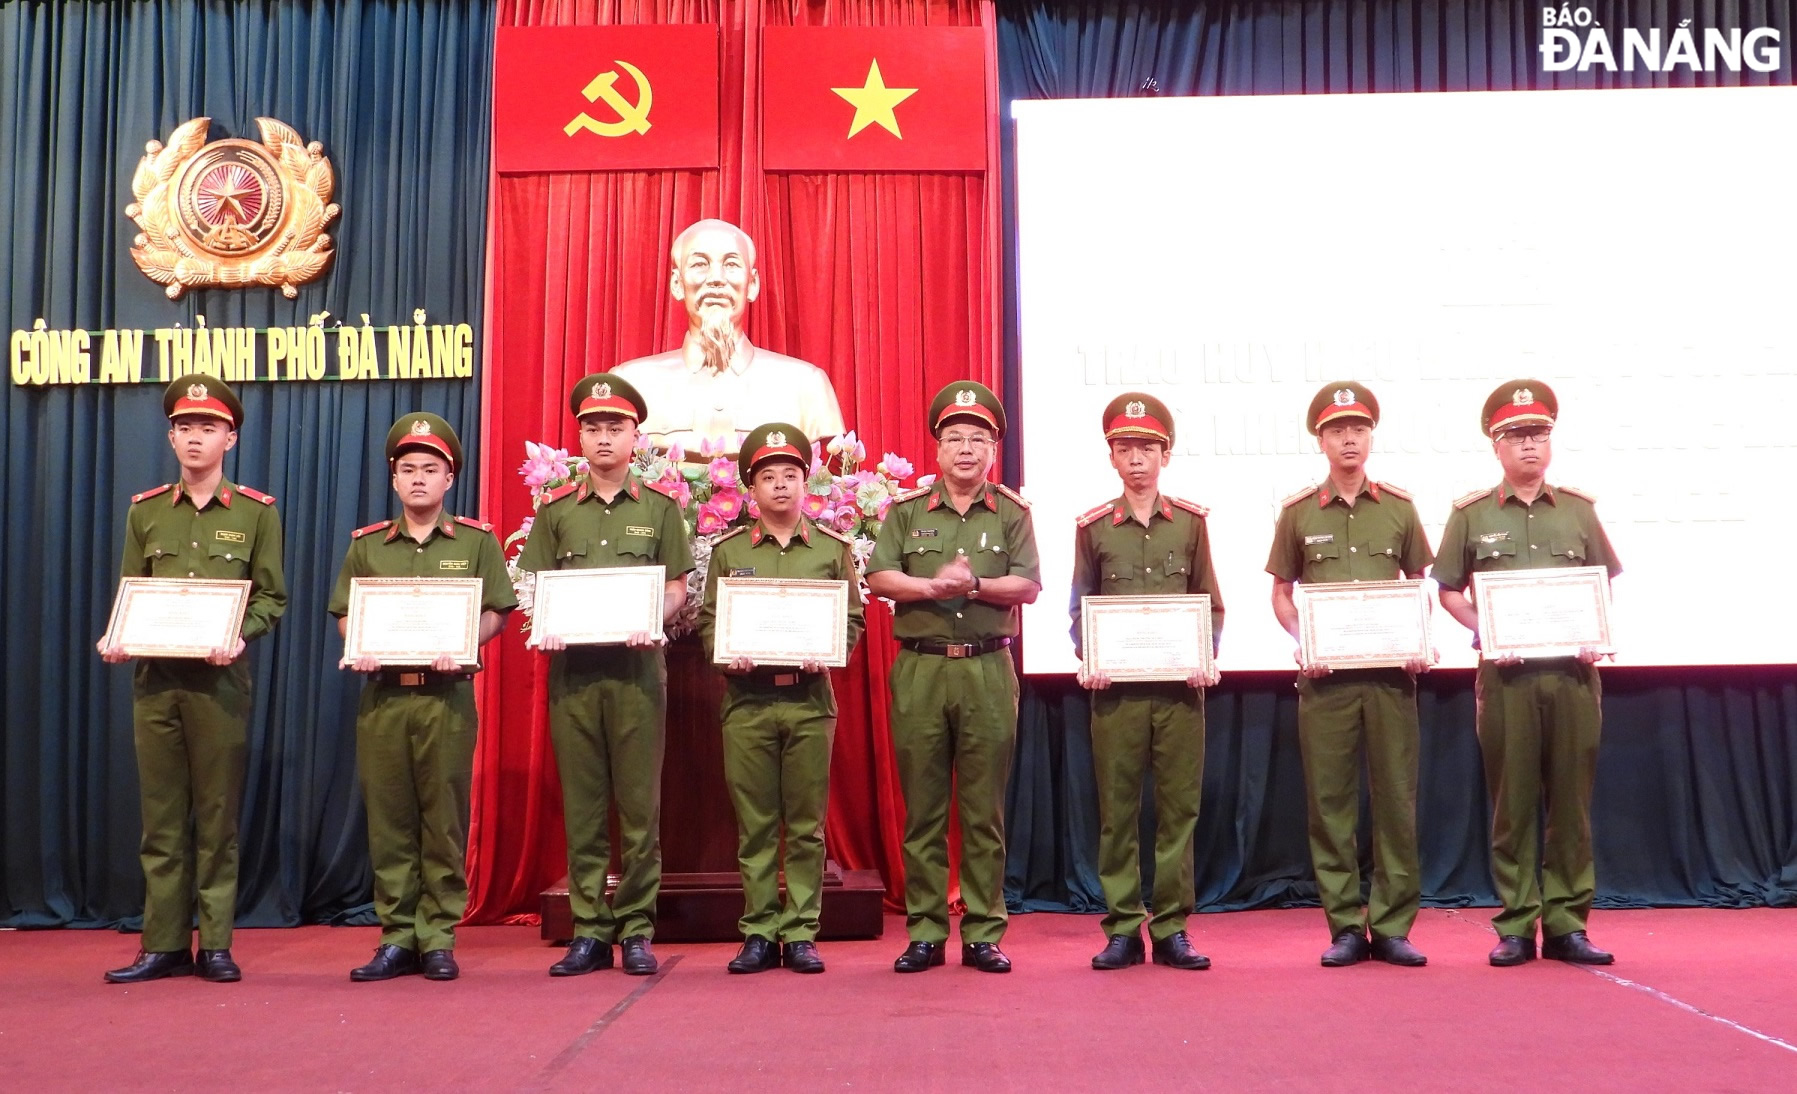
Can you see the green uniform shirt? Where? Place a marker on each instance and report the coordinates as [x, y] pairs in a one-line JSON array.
[[923, 533], [1320, 538], [1116, 555], [1494, 530], [576, 529], [455, 547], [237, 536], [813, 553]]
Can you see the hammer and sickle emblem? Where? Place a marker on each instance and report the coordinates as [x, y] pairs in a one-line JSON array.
[[632, 117]]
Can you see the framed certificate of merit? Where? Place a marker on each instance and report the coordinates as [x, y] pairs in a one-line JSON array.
[[1543, 613], [782, 621], [1363, 624], [598, 606], [1133, 638], [176, 617], [413, 620]]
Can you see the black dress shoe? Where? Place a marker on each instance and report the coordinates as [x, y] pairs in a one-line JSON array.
[[389, 961], [1513, 949], [919, 956], [1350, 948], [1574, 947], [801, 957], [639, 959], [153, 966], [1397, 950], [985, 956], [217, 966], [440, 965], [584, 955], [757, 955], [1122, 951], [1176, 950]]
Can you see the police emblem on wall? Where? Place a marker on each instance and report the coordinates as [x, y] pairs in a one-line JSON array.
[[233, 212]]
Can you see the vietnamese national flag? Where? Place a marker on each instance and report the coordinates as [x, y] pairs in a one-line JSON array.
[[873, 99], [605, 98]]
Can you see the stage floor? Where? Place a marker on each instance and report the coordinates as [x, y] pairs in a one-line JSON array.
[[1698, 1000]]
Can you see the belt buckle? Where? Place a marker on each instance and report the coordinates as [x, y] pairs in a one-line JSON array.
[[411, 679], [953, 650]]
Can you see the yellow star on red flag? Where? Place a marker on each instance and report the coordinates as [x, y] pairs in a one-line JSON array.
[[873, 102]]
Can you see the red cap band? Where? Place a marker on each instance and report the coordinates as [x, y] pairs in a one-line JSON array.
[[426, 440], [1147, 425], [768, 452], [1512, 415], [208, 406], [973, 411], [1343, 410]]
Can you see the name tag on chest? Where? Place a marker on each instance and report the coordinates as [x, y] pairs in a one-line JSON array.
[[923, 533], [1495, 537], [1312, 541], [638, 530], [742, 571], [228, 536], [452, 564]]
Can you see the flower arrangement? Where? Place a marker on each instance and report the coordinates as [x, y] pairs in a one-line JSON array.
[[840, 493]]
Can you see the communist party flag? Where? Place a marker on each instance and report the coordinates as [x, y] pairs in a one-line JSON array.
[[605, 98], [873, 99]]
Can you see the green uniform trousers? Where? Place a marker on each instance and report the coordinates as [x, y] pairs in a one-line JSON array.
[[190, 722], [954, 725], [1342, 718], [1137, 728], [777, 764], [1539, 724], [608, 720], [415, 754]]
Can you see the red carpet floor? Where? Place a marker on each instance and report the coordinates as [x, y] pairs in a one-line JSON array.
[[1699, 1000]]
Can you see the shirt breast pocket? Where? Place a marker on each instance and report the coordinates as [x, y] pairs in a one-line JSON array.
[[923, 556], [992, 561], [158, 559], [1497, 554], [227, 560], [641, 550], [1321, 557], [1570, 552], [572, 555]]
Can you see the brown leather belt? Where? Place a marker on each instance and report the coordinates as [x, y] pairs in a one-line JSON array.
[[954, 649], [421, 678]]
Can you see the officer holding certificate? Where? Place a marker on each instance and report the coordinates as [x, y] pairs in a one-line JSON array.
[[1538, 720], [190, 718], [779, 722], [415, 726], [1145, 543], [608, 703], [1351, 528]]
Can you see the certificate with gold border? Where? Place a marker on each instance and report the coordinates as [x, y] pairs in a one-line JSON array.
[[782, 621], [413, 620], [598, 606], [1363, 624], [1543, 613], [176, 616], [1142, 638]]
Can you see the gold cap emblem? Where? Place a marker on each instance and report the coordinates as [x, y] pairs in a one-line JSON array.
[[1135, 409], [421, 428], [1344, 397], [965, 397], [601, 391], [196, 392], [776, 439], [1523, 397]]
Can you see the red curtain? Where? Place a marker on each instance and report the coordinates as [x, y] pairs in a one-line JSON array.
[[889, 282]]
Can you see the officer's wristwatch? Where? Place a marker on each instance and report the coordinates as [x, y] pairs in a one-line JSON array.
[[975, 591]]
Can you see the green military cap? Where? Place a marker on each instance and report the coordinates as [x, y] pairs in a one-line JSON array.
[[425, 432], [970, 401], [604, 393], [1338, 400], [1133, 414], [769, 443], [1519, 403], [207, 396]]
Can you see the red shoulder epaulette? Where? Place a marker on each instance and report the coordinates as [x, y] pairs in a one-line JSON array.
[[833, 533], [375, 527], [472, 523], [255, 495], [1010, 493], [1467, 499], [1396, 491], [163, 489], [1188, 506], [1294, 499], [1577, 493], [910, 495], [561, 492], [1091, 515]]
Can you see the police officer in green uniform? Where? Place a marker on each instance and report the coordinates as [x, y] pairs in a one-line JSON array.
[[957, 557], [1351, 528], [1145, 543], [190, 717], [415, 726], [608, 704], [1539, 720], [779, 721]]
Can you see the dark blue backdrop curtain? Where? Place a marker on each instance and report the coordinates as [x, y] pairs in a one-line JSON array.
[[1695, 800], [398, 93]]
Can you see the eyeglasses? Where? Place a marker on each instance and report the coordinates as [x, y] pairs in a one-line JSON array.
[[956, 440], [1518, 436]]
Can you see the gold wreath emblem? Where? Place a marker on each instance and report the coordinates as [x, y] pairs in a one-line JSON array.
[[233, 212]]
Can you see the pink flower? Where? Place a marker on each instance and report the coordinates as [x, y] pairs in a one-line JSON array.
[[847, 519], [536, 474], [815, 506], [881, 506], [754, 509], [723, 472], [927, 480], [676, 452], [714, 446], [728, 503], [711, 522], [896, 465], [862, 478], [682, 493], [525, 527]]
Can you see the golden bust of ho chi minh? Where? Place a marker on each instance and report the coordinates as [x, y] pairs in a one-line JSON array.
[[718, 384]]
